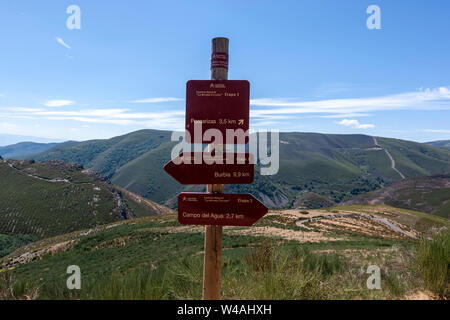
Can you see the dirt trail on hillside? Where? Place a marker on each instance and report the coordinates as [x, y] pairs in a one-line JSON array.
[[287, 234], [35, 177], [389, 156]]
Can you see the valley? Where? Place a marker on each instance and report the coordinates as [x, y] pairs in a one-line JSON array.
[[316, 170]]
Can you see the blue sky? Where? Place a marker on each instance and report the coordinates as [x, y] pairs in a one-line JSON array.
[[314, 66]]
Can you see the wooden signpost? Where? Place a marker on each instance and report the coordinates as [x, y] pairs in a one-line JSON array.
[[223, 105]]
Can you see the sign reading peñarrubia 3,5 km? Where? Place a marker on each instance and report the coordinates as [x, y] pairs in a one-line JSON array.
[[218, 105], [219, 209]]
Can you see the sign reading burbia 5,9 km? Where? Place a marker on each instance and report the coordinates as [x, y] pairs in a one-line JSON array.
[[219, 209], [202, 168], [217, 104]]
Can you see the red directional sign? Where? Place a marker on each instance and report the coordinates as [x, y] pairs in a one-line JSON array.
[[217, 104], [219, 209], [203, 168]]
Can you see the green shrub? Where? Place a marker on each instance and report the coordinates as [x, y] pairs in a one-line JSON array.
[[433, 263], [12, 290], [260, 258]]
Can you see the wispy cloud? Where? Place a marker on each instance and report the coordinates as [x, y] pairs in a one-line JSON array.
[[7, 125], [122, 122], [347, 115], [117, 116], [20, 109], [429, 99], [157, 100], [353, 123], [436, 130], [61, 42], [58, 103]]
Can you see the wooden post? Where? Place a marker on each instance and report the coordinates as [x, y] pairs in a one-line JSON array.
[[212, 266]]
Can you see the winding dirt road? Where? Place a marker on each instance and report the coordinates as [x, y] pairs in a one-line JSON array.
[[390, 157]]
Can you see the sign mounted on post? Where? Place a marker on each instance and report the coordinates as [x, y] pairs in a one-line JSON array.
[[219, 209], [217, 104], [202, 168]]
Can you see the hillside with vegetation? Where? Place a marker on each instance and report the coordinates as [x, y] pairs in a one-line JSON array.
[[429, 194], [445, 144], [333, 167], [39, 200], [289, 254]]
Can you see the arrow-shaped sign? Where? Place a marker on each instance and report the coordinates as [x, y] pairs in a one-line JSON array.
[[219, 209], [201, 168]]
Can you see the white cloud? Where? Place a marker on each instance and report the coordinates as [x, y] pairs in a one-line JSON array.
[[61, 42], [429, 99], [157, 100], [436, 130], [347, 115], [122, 122], [7, 125], [123, 117], [58, 103], [20, 109], [353, 123]]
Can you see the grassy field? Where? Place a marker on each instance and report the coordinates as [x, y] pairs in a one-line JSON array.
[[156, 258]]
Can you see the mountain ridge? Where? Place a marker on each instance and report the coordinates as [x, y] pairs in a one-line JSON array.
[[334, 166]]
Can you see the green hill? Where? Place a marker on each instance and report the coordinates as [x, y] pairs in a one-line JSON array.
[[39, 200], [106, 156], [335, 167], [430, 194]]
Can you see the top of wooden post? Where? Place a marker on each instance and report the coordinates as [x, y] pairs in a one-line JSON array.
[[219, 58]]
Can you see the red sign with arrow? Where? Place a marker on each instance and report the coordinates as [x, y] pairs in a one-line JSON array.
[[217, 104], [219, 209], [203, 168]]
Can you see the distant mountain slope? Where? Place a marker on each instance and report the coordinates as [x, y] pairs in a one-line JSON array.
[[106, 156], [50, 198], [445, 144], [426, 194], [333, 166], [23, 149], [9, 139]]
